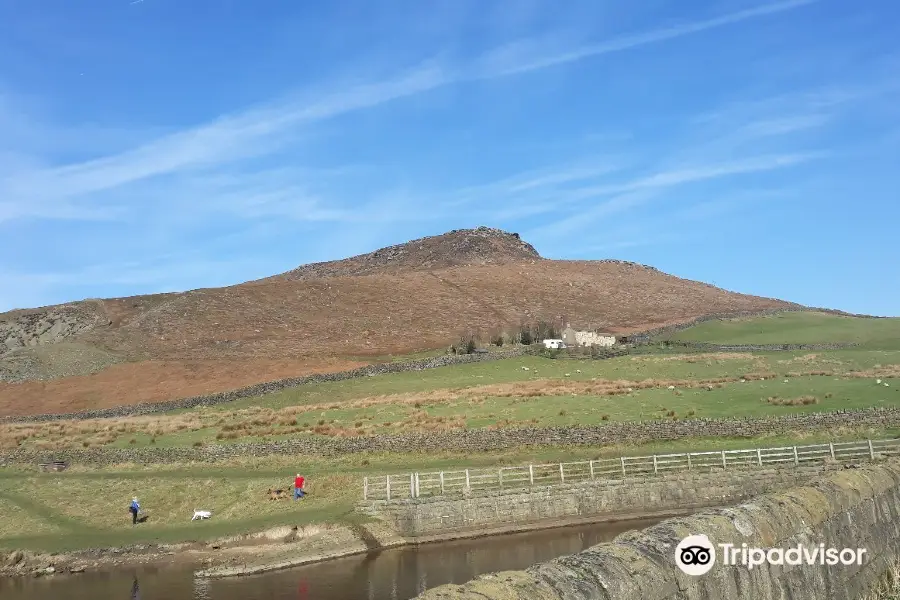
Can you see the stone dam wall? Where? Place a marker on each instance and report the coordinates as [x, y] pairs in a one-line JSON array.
[[850, 508], [471, 440], [597, 500]]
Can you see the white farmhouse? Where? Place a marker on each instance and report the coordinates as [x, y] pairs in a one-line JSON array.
[[588, 338]]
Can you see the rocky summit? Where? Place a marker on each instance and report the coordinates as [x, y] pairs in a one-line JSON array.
[[460, 247]]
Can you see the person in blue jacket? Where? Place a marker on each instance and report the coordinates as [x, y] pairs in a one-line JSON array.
[[133, 509]]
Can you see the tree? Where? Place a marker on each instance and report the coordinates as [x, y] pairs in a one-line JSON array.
[[525, 337], [470, 346]]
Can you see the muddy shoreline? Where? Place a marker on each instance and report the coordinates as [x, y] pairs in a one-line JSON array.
[[263, 552]]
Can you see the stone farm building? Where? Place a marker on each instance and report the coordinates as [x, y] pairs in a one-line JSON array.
[[573, 337]]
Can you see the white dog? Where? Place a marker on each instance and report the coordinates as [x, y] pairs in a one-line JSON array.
[[201, 514]]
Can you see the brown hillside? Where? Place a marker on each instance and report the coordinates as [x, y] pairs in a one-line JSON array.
[[154, 348]]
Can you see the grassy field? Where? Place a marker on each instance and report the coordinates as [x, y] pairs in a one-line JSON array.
[[798, 328], [80, 508], [523, 391], [86, 508]]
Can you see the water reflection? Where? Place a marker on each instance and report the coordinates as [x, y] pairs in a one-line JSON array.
[[397, 574]]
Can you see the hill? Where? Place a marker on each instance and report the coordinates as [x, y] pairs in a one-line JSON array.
[[328, 316]]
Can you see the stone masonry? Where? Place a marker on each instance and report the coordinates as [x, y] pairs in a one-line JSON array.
[[607, 499], [852, 508]]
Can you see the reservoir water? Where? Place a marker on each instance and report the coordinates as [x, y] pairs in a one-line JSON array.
[[394, 574]]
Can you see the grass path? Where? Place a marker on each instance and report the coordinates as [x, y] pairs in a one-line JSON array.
[[86, 509]]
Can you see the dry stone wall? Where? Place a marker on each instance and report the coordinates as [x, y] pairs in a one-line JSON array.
[[270, 387], [853, 508], [472, 440]]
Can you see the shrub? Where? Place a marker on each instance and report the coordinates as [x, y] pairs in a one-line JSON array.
[[801, 401], [497, 341], [470, 346]]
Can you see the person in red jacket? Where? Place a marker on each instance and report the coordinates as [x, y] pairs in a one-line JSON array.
[[298, 487]]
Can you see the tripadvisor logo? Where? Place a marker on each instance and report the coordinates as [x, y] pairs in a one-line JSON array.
[[695, 555]]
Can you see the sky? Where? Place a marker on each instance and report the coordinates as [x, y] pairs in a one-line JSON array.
[[162, 145]]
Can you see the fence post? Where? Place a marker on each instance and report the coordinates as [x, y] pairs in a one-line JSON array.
[[365, 488], [412, 485], [654, 465], [724, 464], [871, 451], [500, 477], [831, 448], [531, 474], [562, 476], [623, 467], [442, 483], [387, 487], [467, 481], [592, 469], [759, 457], [796, 457], [689, 461]]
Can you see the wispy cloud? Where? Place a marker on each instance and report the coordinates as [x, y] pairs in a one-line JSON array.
[[343, 165], [263, 130], [525, 56]]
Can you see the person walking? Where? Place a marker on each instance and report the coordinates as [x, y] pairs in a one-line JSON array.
[[134, 509], [298, 487]]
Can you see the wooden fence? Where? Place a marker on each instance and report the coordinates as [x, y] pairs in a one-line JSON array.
[[491, 480]]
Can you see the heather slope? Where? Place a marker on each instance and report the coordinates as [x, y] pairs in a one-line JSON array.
[[420, 295]]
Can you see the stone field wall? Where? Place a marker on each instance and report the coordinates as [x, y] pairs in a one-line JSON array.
[[472, 440]]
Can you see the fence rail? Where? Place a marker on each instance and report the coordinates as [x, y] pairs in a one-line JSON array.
[[488, 480]]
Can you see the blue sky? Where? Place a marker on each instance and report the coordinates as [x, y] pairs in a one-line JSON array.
[[161, 145]]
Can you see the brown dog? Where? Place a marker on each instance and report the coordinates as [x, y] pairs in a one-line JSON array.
[[277, 494]]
